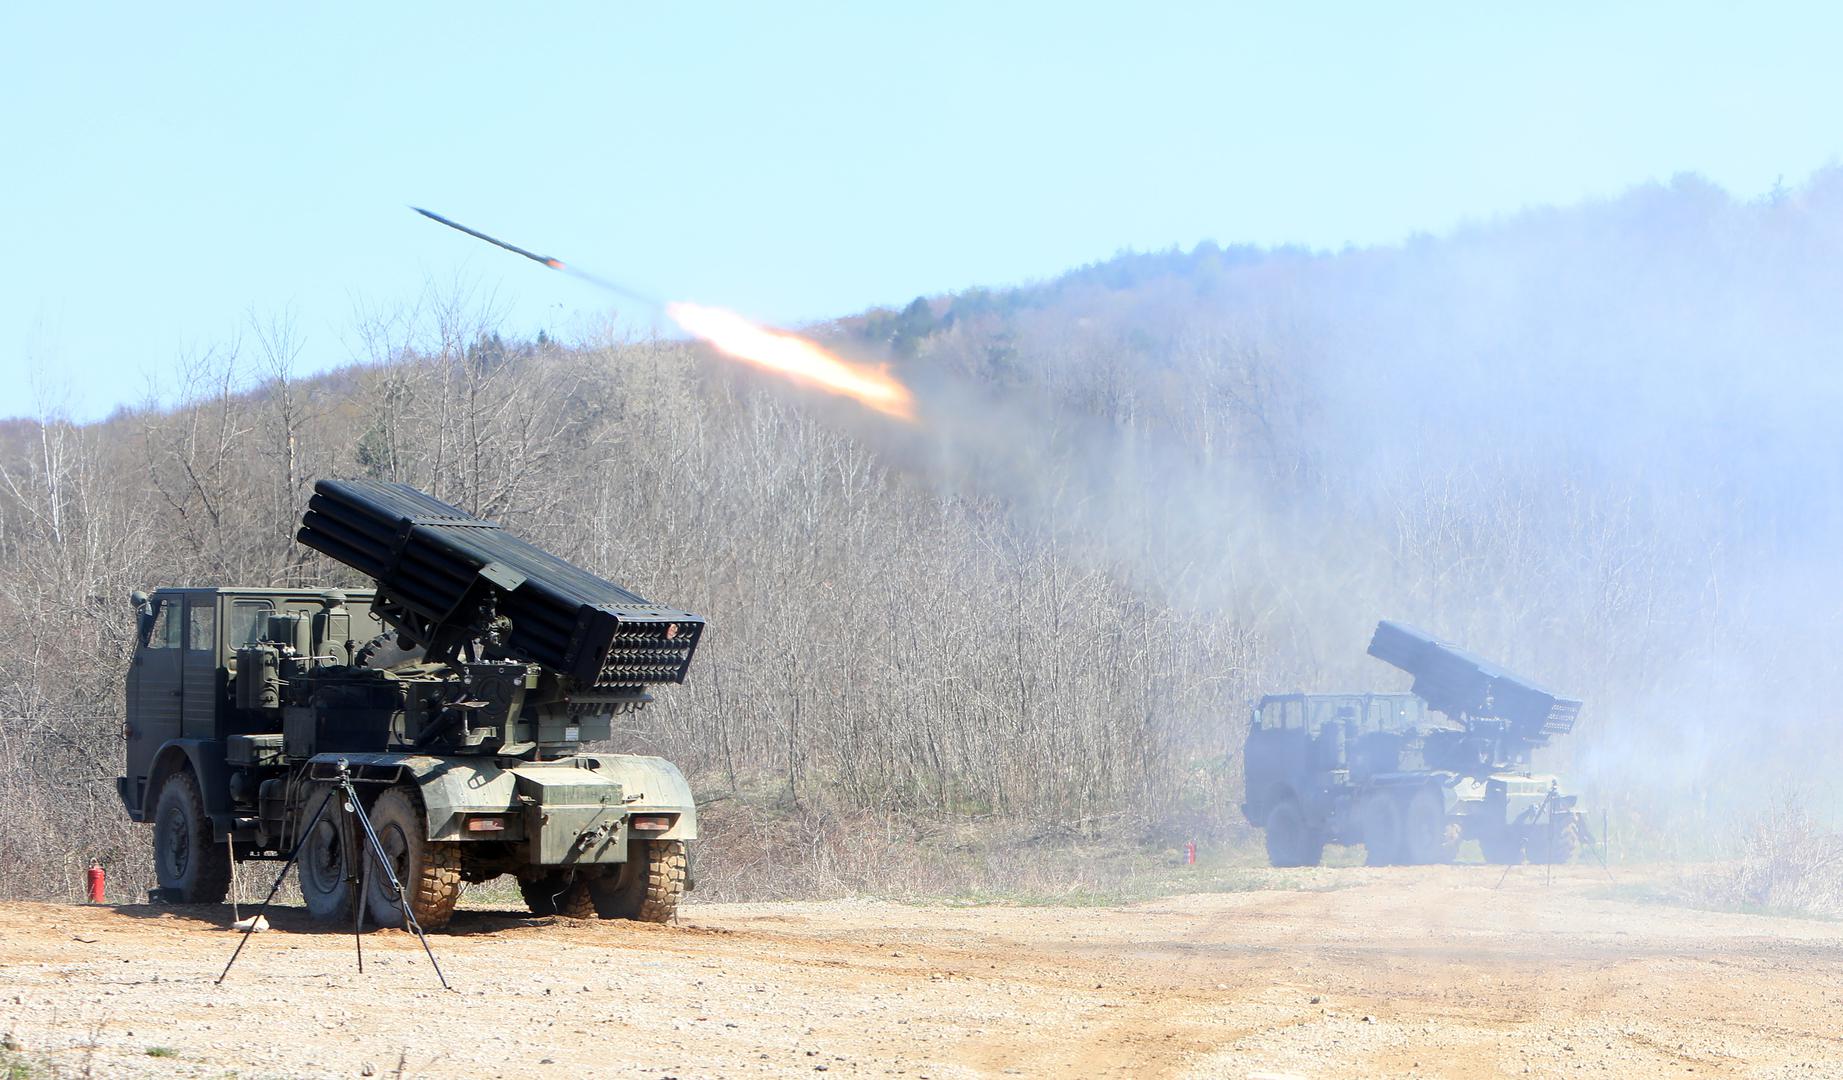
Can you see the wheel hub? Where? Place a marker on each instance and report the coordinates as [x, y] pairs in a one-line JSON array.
[[396, 851], [323, 854], [175, 843]]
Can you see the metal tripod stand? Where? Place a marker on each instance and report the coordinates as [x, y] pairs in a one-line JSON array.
[[1546, 811], [374, 853]]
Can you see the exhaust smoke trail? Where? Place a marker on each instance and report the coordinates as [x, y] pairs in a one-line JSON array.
[[735, 337]]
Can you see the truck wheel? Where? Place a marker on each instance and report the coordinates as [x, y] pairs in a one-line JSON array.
[[187, 859], [1501, 846], [1379, 819], [558, 894], [1289, 841], [328, 869], [1426, 836], [430, 873], [645, 887], [1556, 844]]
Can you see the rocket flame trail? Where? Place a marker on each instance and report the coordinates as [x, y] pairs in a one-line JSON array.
[[729, 333], [790, 355]]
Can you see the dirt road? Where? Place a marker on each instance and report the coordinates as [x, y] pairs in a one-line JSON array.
[[1409, 972]]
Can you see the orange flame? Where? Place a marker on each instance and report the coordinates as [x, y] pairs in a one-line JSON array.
[[871, 385]]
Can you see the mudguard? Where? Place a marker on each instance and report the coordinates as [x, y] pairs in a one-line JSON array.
[[206, 759], [1527, 799], [552, 804], [653, 786]]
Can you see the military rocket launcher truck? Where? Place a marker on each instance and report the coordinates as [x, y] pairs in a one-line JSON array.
[[1380, 770], [456, 694]]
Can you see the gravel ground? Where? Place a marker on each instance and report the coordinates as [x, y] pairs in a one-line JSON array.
[[1350, 972]]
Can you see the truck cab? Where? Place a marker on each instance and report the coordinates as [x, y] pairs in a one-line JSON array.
[[179, 698], [1309, 747]]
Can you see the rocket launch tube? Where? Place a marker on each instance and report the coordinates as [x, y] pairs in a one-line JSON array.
[[439, 564]]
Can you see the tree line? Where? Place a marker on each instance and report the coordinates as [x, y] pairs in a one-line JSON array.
[[1591, 443]]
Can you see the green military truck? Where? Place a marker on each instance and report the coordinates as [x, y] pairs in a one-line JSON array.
[[1412, 776], [456, 695]]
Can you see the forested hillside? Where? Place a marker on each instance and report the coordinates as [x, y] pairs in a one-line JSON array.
[[1598, 443]]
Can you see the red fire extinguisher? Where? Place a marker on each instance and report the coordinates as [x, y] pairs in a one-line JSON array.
[[98, 881]]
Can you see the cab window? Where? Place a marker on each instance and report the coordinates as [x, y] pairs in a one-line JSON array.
[[163, 632], [201, 627], [248, 622], [1345, 712]]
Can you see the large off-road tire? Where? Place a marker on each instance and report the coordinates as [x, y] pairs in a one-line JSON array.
[[562, 894], [329, 860], [429, 872], [1555, 844], [1290, 841], [1427, 837], [1502, 846], [187, 858], [647, 886], [1379, 820]]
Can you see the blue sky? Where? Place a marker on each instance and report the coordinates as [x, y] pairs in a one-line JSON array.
[[171, 174]]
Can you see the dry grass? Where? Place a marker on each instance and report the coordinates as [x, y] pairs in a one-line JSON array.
[[752, 851], [1789, 863]]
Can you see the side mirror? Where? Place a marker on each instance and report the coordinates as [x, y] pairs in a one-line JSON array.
[[144, 615]]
